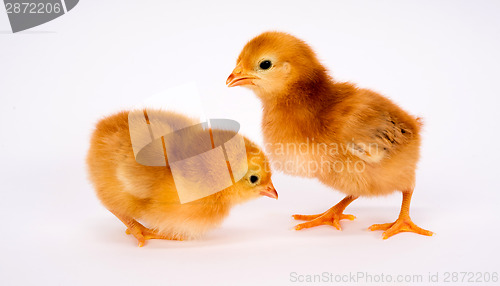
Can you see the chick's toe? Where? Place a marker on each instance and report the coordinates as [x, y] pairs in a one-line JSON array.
[[330, 217], [403, 223], [400, 225], [142, 233]]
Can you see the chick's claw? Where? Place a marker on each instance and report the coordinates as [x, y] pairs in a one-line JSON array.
[[328, 218], [400, 225], [142, 233], [137, 233]]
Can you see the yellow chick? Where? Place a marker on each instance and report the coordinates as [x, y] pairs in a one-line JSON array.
[[134, 192], [351, 139]]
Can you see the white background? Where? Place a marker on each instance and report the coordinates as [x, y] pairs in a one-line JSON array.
[[437, 59]]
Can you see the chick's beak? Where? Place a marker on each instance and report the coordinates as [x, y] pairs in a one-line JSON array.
[[270, 191], [238, 78]]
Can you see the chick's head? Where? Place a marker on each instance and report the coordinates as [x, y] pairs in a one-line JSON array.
[[257, 180], [270, 62]]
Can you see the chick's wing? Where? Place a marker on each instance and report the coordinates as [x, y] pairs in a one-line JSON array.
[[376, 128]]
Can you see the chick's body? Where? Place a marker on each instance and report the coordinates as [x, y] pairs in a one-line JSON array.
[[351, 139], [134, 192], [355, 145]]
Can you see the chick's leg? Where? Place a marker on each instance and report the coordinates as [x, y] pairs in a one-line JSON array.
[[330, 217], [403, 223], [140, 232]]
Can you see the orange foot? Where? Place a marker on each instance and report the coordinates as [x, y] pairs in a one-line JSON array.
[[142, 233], [400, 225], [330, 217]]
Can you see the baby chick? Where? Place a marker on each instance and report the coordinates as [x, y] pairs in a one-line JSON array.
[[133, 191], [351, 139]]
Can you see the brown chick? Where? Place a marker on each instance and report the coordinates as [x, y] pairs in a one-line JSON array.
[[134, 192], [351, 139]]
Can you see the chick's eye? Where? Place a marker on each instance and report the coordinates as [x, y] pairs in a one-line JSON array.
[[265, 64], [254, 179]]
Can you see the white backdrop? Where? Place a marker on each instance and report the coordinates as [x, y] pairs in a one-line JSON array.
[[437, 59]]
